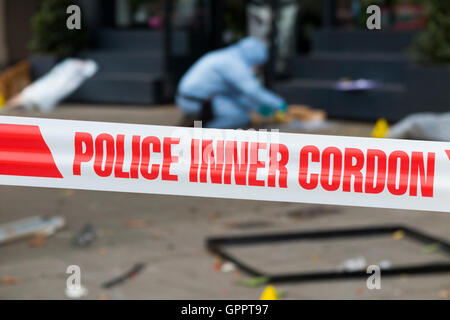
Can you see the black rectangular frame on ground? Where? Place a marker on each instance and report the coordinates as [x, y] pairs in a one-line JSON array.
[[217, 245]]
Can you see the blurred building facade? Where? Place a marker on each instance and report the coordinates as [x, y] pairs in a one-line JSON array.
[[144, 46]]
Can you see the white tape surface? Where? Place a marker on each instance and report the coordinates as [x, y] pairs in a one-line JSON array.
[[225, 163]]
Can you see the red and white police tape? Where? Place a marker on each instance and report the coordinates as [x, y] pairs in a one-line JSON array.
[[241, 164]]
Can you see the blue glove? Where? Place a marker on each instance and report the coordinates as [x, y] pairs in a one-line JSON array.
[[265, 111]]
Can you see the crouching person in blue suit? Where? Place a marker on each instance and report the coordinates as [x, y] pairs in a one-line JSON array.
[[221, 88]]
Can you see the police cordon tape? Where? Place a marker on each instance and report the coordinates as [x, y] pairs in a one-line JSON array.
[[240, 164]]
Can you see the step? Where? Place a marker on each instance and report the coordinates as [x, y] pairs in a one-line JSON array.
[[120, 88], [362, 41], [127, 40], [388, 101], [333, 66], [116, 61], [141, 40]]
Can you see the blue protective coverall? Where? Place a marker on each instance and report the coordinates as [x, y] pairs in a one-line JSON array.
[[226, 77]]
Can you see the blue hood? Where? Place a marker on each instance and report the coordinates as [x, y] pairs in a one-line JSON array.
[[253, 51]]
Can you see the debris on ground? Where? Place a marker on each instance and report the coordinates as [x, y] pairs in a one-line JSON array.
[[85, 237], [354, 264], [130, 274], [315, 258], [431, 248], [37, 240], [228, 267], [76, 292], [29, 227], [297, 117], [217, 265], [302, 117], [102, 297], [254, 282], [305, 114], [8, 280], [269, 293], [137, 224], [398, 235], [444, 294], [423, 126]]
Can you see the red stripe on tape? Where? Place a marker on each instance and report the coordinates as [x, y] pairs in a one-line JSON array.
[[23, 152]]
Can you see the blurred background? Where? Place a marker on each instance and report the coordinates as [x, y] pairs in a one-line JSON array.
[[143, 47], [320, 51]]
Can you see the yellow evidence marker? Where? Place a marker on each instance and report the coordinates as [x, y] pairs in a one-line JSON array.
[[2, 100], [269, 293], [381, 129]]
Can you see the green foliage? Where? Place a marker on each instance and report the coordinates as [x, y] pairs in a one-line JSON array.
[[50, 34], [433, 43]]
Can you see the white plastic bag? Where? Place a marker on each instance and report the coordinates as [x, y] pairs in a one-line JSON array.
[[423, 126], [67, 76]]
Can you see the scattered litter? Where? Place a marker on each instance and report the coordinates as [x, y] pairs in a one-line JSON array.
[[304, 113], [423, 126], [355, 267], [254, 282], [137, 224], [444, 294], [354, 264], [130, 274], [304, 118], [315, 258], [359, 291], [85, 237], [431, 248], [217, 266], [356, 85], [269, 293], [76, 292], [37, 240], [8, 280], [228, 267], [398, 235], [30, 226]]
